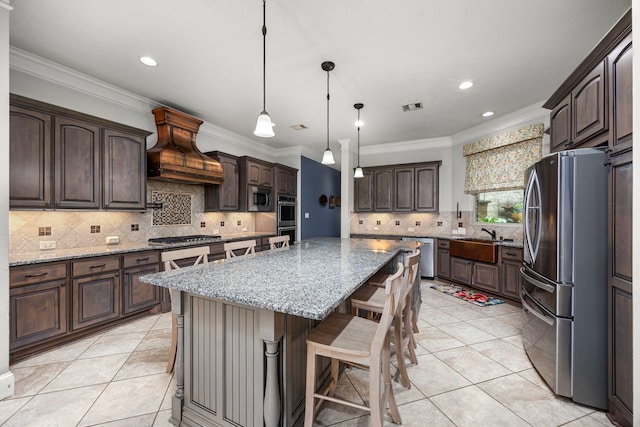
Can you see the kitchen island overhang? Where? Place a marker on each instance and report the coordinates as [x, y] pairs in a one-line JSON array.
[[242, 325]]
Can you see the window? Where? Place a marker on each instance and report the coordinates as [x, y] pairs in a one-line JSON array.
[[504, 207]]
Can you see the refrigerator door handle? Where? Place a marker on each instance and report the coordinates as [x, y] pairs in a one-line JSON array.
[[538, 283], [530, 310], [532, 241]]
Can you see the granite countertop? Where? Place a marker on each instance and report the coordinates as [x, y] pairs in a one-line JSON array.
[[447, 236], [28, 258], [310, 279]]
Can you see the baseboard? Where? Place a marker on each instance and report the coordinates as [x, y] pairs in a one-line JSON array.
[[6, 385]]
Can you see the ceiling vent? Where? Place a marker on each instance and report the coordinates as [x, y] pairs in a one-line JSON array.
[[412, 107], [299, 127]]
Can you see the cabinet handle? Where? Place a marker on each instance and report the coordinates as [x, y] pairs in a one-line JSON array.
[[142, 259], [97, 266], [511, 253], [36, 275], [117, 274]]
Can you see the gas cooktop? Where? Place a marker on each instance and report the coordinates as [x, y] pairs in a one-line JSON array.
[[183, 239]]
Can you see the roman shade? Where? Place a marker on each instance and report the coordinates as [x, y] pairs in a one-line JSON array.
[[498, 163]]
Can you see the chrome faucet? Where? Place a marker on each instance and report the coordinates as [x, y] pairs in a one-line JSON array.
[[492, 233]]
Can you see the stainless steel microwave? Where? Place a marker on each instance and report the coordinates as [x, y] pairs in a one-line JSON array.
[[260, 199]]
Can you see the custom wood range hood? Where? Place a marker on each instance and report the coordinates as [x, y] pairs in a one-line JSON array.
[[175, 157]]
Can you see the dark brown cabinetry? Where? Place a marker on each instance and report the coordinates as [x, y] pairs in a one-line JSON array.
[[62, 159], [30, 151], [124, 174], [510, 263], [363, 192], [399, 188], [383, 190], [37, 304], [226, 196], [602, 99], [561, 125], [461, 270], [443, 260], [257, 172], [486, 276], [95, 291], [286, 180], [138, 296]]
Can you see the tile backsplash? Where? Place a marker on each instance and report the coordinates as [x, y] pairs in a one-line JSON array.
[[428, 224], [77, 229]]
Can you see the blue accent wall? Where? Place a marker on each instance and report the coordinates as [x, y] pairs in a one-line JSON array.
[[317, 179]]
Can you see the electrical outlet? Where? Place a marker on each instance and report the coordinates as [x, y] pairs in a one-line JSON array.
[[411, 229], [244, 228], [462, 230], [48, 244], [376, 228], [216, 231], [112, 240]]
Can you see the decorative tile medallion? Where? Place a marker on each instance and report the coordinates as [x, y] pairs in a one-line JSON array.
[[176, 208]]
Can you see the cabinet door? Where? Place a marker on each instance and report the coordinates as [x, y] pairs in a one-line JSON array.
[[29, 159], [363, 192], [77, 164], [444, 270], [259, 174], [426, 198], [486, 276], [461, 270], [292, 183], [588, 106], [95, 299], [224, 197], [621, 98], [125, 173], [138, 296], [511, 280], [561, 125], [37, 313], [383, 188], [621, 288], [404, 189]]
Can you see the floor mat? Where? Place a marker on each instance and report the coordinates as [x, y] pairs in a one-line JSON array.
[[471, 296]]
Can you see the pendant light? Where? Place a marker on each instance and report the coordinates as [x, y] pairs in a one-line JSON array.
[[327, 157], [358, 172], [264, 125]]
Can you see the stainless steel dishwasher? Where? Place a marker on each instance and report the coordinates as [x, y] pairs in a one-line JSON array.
[[426, 255]]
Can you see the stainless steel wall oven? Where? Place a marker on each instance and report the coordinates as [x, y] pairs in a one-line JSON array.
[[286, 217]]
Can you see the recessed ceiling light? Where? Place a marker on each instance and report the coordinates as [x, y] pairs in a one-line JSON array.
[[149, 61], [465, 85], [487, 114]]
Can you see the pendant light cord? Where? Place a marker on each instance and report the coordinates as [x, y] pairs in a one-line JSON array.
[[358, 137], [328, 110], [264, 55]]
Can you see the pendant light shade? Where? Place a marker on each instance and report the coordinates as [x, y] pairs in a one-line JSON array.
[[327, 157], [358, 172], [264, 125]]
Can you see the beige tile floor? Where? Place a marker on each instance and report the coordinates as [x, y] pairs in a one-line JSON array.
[[472, 371]]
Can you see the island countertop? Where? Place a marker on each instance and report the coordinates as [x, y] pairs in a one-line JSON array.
[[310, 279]]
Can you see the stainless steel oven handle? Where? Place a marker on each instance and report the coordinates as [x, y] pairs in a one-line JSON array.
[[530, 310], [536, 282]]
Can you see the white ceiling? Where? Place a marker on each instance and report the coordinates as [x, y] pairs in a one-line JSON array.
[[387, 53]]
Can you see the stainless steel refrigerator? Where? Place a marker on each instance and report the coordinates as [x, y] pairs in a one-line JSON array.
[[564, 294]]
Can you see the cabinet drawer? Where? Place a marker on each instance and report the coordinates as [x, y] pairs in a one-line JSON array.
[[28, 275], [514, 254], [140, 258], [443, 244], [95, 266]]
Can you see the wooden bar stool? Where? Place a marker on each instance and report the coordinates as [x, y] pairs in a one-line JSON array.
[[278, 242], [371, 298], [169, 258], [234, 249], [360, 342]]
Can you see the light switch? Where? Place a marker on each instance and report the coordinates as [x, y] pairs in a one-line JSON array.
[[306, 214]]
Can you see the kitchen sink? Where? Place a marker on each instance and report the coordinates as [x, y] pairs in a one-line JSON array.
[[482, 250]]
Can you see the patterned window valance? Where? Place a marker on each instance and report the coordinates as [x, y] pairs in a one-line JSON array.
[[498, 163]]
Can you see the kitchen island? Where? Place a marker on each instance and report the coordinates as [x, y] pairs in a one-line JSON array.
[[242, 325]]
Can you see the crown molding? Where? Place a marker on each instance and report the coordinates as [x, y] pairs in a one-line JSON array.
[[7, 4], [531, 114], [412, 145]]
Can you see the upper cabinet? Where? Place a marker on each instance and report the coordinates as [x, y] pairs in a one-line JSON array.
[[398, 188], [62, 159], [224, 197], [621, 100], [286, 180], [257, 172]]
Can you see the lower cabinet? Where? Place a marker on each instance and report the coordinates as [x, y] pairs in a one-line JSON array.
[[95, 292], [461, 270], [37, 304], [443, 262], [486, 276], [511, 261], [138, 296]]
